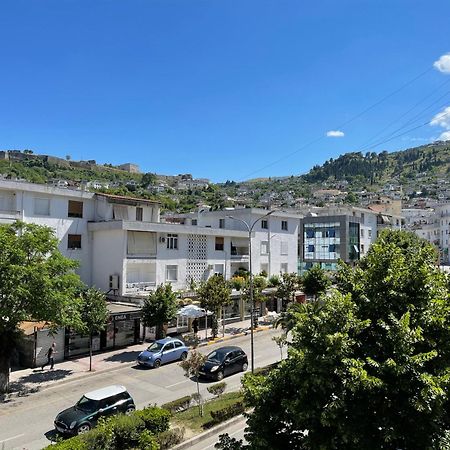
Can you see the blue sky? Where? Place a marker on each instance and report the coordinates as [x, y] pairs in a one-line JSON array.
[[223, 89]]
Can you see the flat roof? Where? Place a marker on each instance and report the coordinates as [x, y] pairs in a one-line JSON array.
[[124, 199], [121, 308], [105, 392]]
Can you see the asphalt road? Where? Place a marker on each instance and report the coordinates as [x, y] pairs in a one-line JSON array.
[[27, 423]]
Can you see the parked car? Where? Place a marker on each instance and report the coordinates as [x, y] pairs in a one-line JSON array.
[[224, 361], [163, 351], [104, 402]]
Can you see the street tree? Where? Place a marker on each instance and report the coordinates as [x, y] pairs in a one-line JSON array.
[[259, 284], [94, 314], [369, 369], [191, 367], [214, 294], [315, 281], [36, 283], [288, 284], [159, 308]]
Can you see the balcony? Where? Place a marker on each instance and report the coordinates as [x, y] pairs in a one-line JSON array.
[[139, 288], [239, 253], [6, 214]]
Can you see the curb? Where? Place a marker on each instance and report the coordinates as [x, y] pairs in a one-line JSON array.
[[93, 373], [196, 439]]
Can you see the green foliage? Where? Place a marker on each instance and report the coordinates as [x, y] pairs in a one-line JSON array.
[[180, 404], [217, 389], [94, 311], [369, 368], [36, 282], [223, 414], [126, 430], [286, 287], [274, 281], [159, 308], [170, 438], [315, 281], [154, 418]]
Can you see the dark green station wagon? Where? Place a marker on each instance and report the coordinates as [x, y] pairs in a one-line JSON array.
[[104, 402]]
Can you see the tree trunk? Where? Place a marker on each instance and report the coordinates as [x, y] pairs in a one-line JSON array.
[[159, 333], [200, 403], [4, 373]]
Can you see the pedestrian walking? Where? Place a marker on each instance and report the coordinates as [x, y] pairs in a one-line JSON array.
[[50, 356], [195, 325]]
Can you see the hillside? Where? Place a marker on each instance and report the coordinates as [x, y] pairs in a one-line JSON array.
[[415, 171]]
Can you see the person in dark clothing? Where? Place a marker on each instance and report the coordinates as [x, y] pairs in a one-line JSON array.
[[195, 326], [50, 357]]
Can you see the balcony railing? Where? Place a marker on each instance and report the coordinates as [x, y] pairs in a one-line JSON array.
[[9, 214], [239, 252], [139, 288]]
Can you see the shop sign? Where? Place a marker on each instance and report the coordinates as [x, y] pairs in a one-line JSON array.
[[121, 317]]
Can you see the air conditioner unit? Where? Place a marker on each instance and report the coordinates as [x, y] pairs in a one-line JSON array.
[[114, 282], [162, 239]]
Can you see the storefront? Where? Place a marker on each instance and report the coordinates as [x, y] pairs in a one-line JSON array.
[[122, 329]]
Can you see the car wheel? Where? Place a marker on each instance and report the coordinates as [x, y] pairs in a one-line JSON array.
[[244, 367], [219, 375], [129, 410], [183, 356], [157, 363], [84, 428]]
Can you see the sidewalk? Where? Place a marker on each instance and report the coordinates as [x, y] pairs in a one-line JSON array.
[[27, 381]]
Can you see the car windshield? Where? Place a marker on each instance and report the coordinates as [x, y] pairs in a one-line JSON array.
[[217, 356], [87, 404], [155, 347]]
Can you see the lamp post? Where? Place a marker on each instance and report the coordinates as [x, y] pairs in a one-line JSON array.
[[252, 326]]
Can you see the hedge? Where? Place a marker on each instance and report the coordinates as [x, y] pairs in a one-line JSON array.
[[155, 419], [224, 414], [170, 438], [178, 405]]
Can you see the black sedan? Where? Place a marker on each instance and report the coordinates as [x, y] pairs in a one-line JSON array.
[[224, 361]]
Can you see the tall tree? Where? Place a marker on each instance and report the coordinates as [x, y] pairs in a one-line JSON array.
[[315, 281], [288, 284], [94, 314], [214, 294], [36, 283], [159, 308], [370, 368]]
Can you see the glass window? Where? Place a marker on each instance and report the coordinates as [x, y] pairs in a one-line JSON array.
[[194, 222], [264, 224], [172, 241], [332, 248], [139, 214], [264, 247], [171, 273], [310, 248], [169, 346], [75, 209], [219, 243], [178, 344], [284, 225], [222, 223], [73, 241], [369, 233], [284, 248], [362, 232], [310, 233], [42, 206]]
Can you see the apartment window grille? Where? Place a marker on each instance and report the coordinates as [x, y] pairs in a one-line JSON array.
[[172, 241], [42, 206], [74, 241], [171, 273], [75, 209], [264, 224], [284, 225], [139, 214], [219, 244]]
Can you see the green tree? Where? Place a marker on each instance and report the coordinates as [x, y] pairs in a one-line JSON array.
[[149, 179], [370, 368], [159, 308], [259, 284], [94, 314], [36, 282], [288, 284], [315, 281], [214, 294]]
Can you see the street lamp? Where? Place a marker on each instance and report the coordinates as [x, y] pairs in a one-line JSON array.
[[250, 229]]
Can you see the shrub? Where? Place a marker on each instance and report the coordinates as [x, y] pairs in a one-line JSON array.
[[100, 438], [126, 430], [181, 404], [227, 412], [170, 438], [265, 370], [147, 441], [74, 443], [217, 389], [155, 419]]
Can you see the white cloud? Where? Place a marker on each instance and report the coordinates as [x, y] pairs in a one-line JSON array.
[[335, 133], [442, 119], [445, 136], [443, 63]]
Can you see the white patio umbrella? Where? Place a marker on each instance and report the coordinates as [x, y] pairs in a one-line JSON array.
[[194, 311]]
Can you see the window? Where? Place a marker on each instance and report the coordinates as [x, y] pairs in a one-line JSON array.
[[169, 346], [194, 222], [75, 209], [172, 241], [362, 248], [219, 243], [362, 232], [310, 248], [265, 268], [283, 267], [264, 224], [171, 273], [264, 247], [221, 223], [332, 248], [178, 344], [284, 225], [362, 217], [42, 206], [120, 212], [139, 214], [369, 232], [73, 241], [284, 248], [141, 243], [309, 233]]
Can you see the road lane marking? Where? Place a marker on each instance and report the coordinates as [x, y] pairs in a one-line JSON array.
[[176, 384], [11, 438]]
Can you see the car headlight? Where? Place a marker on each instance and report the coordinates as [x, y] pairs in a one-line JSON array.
[[214, 368], [73, 424]]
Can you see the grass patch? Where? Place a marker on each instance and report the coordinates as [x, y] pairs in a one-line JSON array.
[[191, 419]]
